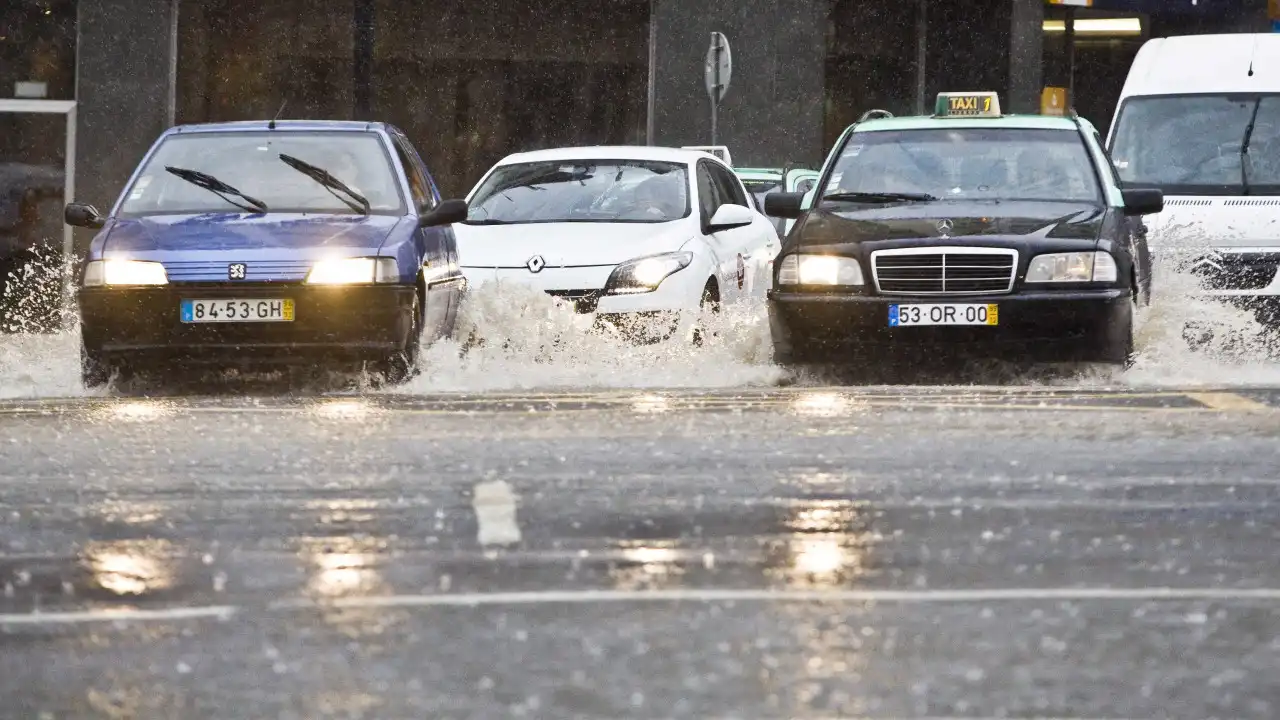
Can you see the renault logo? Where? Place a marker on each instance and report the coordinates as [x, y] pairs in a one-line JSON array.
[[535, 264], [945, 227]]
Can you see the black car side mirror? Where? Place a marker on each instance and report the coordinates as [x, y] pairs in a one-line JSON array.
[[83, 215], [784, 205], [447, 212], [1143, 201]]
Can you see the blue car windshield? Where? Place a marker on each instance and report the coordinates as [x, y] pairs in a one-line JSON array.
[[250, 162]]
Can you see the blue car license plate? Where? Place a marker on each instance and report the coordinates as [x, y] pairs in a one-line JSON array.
[[237, 310]]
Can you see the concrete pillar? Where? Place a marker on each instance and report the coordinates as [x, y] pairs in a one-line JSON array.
[[127, 67], [1026, 50], [773, 112]]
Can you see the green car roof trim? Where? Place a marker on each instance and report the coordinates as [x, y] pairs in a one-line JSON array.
[[928, 122]]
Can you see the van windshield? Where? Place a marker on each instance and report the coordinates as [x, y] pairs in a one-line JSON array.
[[1196, 144]]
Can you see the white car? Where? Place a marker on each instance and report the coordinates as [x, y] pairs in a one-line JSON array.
[[620, 231]]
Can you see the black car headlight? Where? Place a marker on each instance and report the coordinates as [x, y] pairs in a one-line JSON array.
[[820, 270], [645, 274], [1074, 267]]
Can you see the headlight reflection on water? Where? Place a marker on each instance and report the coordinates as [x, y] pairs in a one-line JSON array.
[[823, 404], [826, 545], [131, 567]]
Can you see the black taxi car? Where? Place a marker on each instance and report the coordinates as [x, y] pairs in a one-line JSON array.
[[995, 235]]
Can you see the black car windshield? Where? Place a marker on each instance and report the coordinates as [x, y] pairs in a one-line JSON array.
[[251, 163], [639, 191], [967, 164], [1193, 144]]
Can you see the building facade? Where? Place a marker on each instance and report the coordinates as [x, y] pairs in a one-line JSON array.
[[87, 85]]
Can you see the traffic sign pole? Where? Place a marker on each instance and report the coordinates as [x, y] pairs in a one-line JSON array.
[[717, 76]]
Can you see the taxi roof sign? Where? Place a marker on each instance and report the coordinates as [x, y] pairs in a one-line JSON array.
[[967, 104]]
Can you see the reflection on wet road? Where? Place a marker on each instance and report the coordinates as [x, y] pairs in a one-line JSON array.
[[801, 552]]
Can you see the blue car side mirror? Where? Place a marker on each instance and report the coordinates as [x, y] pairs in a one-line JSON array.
[[446, 213]]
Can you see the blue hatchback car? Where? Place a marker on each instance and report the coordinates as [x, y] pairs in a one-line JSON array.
[[270, 243]]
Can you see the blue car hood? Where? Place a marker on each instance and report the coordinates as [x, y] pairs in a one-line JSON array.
[[275, 247]]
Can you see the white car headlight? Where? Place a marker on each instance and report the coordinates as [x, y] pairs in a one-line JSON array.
[[352, 271], [124, 272], [1076, 267], [644, 275], [819, 270]]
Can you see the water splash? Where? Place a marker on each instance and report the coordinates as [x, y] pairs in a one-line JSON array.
[[513, 337], [39, 341], [1172, 347]]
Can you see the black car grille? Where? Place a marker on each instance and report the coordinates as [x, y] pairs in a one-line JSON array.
[[934, 271], [1232, 271], [584, 301]]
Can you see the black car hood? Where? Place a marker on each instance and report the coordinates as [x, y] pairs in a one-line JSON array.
[[844, 223]]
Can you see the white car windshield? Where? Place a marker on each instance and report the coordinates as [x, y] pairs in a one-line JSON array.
[[967, 164], [638, 191], [1195, 144], [258, 164]]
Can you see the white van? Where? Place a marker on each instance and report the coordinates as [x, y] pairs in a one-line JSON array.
[[1199, 118]]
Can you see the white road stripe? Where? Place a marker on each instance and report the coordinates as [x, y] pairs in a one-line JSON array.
[[220, 612], [495, 506], [1228, 401], [585, 597]]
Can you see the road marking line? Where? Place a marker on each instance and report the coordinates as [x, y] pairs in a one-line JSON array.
[[221, 612], [585, 597], [582, 597], [495, 506], [1228, 401]]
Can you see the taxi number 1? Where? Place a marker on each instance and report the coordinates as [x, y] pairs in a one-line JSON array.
[[943, 314]]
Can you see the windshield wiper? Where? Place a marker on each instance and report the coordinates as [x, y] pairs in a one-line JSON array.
[[354, 200], [1244, 146], [874, 197], [219, 188]]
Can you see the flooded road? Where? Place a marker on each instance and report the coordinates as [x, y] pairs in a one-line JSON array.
[[794, 552]]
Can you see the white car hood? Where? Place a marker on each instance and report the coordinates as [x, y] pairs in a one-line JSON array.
[[1215, 222], [566, 244]]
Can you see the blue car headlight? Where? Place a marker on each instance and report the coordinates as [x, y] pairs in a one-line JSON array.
[[353, 271], [124, 272]]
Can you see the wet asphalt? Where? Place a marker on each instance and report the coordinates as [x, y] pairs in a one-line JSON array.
[[782, 553]]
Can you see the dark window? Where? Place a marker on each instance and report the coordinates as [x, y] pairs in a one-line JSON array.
[[708, 193], [730, 189], [417, 182]]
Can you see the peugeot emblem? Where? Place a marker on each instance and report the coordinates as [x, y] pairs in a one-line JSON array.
[[945, 227], [535, 264], [237, 271]]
